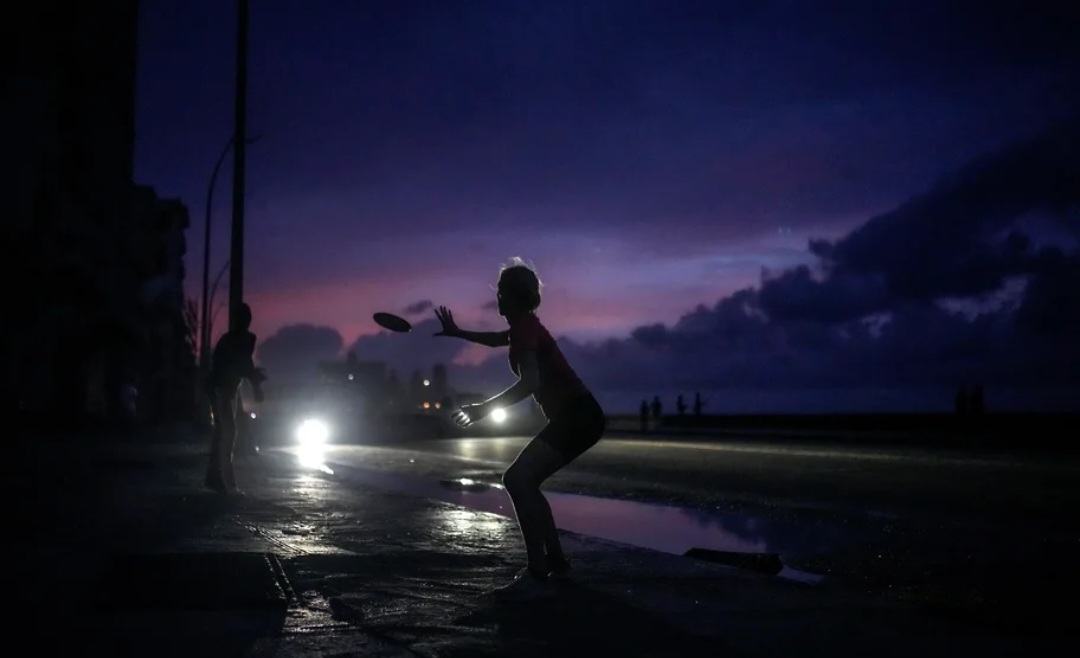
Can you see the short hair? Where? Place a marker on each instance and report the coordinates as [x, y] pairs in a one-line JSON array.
[[521, 282]]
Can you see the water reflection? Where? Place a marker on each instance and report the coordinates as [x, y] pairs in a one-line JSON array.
[[805, 537], [663, 528]]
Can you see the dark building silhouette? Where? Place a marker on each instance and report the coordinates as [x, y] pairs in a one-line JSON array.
[[98, 258], [166, 353], [440, 387]]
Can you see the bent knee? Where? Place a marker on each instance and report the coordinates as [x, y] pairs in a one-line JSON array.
[[517, 477]]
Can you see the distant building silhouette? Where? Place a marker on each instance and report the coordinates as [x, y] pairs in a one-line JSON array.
[[167, 365], [440, 387], [416, 388], [75, 320]]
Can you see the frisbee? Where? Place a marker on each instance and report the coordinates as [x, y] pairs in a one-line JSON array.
[[392, 322]]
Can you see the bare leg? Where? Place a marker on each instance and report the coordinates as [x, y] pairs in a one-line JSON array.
[[214, 479], [228, 438], [219, 472], [536, 463]]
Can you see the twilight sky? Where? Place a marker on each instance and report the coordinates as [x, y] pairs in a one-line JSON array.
[[652, 158]]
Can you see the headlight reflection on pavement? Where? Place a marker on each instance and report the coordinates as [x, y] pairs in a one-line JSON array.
[[312, 435]]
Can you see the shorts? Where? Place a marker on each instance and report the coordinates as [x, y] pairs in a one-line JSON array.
[[578, 427]]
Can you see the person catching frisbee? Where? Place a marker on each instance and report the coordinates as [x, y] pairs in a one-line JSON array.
[[575, 421]]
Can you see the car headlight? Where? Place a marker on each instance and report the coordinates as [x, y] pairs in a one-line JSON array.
[[312, 432], [499, 415]]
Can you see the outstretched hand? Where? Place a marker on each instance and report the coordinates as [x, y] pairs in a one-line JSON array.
[[446, 318], [470, 413]]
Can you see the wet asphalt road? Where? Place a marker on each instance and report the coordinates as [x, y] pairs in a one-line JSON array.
[[987, 535], [724, 473]]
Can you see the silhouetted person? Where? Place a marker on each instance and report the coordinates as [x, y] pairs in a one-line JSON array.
[[575, 422], [644, 416], [976, 404], [698, 405], [680, 405], [657, 409], [961, 402], [232, 363]]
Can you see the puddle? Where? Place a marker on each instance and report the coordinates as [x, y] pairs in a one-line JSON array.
[[664, 528]]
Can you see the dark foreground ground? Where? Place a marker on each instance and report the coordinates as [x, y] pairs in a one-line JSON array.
[[114, 547]]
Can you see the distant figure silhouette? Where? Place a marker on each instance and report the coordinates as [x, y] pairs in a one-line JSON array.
[[680, 405], [644, 412], [575, 421], [657, 409], [976, 404], [232, 362], [961, 402], [698, 404]]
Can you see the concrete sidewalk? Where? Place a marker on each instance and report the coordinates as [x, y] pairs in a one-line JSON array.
[[120, 549]]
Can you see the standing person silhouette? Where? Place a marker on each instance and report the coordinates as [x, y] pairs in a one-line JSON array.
[[232, 363], [575, 422]]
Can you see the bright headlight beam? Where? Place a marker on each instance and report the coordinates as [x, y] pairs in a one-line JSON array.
[[312, 432], [499, 415]]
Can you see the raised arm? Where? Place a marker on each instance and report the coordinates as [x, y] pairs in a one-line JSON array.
[[450, 328]]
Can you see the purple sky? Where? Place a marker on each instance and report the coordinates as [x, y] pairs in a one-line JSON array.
[[648, 156]]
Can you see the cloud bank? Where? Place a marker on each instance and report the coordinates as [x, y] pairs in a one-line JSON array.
[[975, 280]]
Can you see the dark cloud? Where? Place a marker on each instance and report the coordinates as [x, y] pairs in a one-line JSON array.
[[295, 350], [419, 307], [956, 240], [873, 311]]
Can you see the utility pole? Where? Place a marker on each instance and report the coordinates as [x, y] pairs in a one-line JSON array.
[[236, 269]]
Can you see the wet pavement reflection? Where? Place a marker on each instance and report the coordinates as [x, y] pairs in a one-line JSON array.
[[659, 527]]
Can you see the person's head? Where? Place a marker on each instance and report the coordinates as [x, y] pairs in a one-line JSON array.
[[519, 289], [243, 317]]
